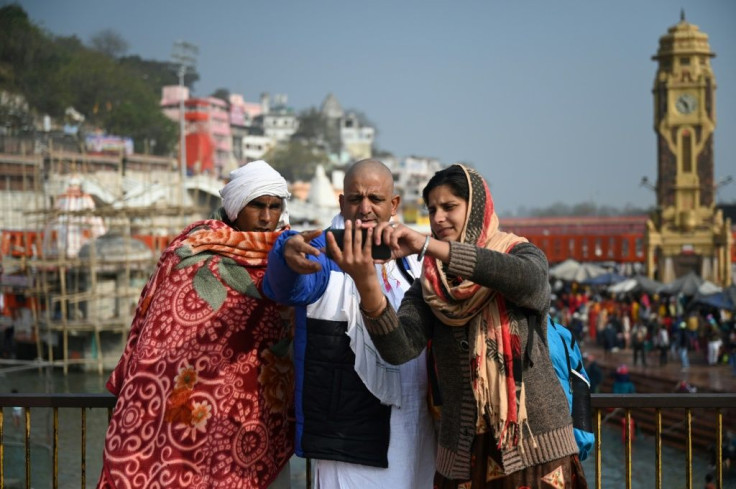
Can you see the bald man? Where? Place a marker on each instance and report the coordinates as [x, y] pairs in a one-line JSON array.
[[365, 422]]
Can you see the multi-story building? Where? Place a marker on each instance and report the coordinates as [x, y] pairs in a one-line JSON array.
[[171, 95], [242, 115], [347, 138], [277, 120], [357, 140], [255, 146], [414, 172], [412, 175], [207, 129]]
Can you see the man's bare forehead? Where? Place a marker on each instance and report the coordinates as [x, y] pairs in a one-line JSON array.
[[372, 192], [366, 186]]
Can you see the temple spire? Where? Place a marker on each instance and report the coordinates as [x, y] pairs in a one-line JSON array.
[[682, 14]]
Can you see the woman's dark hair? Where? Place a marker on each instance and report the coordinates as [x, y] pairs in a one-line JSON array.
[[454, 177]]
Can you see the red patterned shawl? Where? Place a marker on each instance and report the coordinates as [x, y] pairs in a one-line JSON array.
[[205, 383]]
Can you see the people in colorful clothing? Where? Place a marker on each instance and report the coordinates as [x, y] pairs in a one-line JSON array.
[[503, 423], [205, 383], [365, 423]]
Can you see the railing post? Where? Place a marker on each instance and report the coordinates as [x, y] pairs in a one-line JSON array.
[[658, 450], [598, 460], [56, 449], [84, 448], [627, 438], [719, 447], [689, 450], [2, 451], [27, 413]]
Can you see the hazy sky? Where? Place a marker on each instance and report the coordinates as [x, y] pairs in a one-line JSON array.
[[549, 99]]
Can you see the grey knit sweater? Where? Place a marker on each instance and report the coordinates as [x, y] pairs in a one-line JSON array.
[[521, 277]]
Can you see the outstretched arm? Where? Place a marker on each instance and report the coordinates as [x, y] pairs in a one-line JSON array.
[[297, 272], [297, 250]]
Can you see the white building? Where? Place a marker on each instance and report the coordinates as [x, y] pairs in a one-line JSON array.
[[278, 121], [413, 174], [254, 147], [357, 140], [347, 138]]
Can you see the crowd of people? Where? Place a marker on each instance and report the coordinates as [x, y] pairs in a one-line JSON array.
[[252, 341], [656, 329]]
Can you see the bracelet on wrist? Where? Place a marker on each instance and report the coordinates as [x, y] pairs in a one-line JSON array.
[[424, 249], [375, 312]]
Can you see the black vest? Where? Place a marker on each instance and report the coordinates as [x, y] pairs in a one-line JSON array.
[[343, 421]]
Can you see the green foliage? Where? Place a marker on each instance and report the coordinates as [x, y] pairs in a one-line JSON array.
[[26, 55], [119, 96], [311, 125], [109, 42], [297, 159], [223, 94], [156, 74]]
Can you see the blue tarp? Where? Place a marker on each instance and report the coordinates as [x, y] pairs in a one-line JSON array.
[[607, 278], [726, 299]]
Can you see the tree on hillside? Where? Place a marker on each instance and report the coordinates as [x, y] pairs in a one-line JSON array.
[[223, 94], [157, 74], [109, 42], [311, 125], [297, 159], [118, 96], [23, 49]]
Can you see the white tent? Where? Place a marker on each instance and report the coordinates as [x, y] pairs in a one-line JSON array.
[[573, 271], [635, 284]]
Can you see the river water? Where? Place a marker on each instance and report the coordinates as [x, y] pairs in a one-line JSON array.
[[70, 468]]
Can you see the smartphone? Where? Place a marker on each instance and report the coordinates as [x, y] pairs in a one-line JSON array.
[[378, 252]]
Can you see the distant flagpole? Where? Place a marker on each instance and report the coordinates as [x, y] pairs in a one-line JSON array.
[[185, 55]]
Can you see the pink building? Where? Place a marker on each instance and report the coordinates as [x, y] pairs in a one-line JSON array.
[[207, 127]]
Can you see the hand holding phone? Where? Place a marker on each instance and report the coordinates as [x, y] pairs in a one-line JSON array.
[[378, 252]]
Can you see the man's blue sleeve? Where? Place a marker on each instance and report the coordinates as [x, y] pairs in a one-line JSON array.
[[285, 286]]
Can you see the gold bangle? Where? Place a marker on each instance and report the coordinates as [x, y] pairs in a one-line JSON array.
[[379, 309]]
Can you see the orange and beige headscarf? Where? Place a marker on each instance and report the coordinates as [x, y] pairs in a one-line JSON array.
[[496, 359]]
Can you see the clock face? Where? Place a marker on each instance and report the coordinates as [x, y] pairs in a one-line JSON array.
[[686, 103]]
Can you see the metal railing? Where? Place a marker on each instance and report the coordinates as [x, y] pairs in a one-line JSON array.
[[604, 405], [661, 403]]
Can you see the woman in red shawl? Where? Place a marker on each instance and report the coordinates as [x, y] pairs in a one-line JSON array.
[[205, 382]]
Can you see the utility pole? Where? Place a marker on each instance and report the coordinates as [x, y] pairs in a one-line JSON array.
[[184, 54]]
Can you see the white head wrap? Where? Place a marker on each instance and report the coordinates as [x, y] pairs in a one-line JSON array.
[[250, 181]]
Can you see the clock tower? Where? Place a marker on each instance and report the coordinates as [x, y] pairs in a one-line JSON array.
[[686, 232]]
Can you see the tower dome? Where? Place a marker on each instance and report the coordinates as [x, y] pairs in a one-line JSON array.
[[686, 39]]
